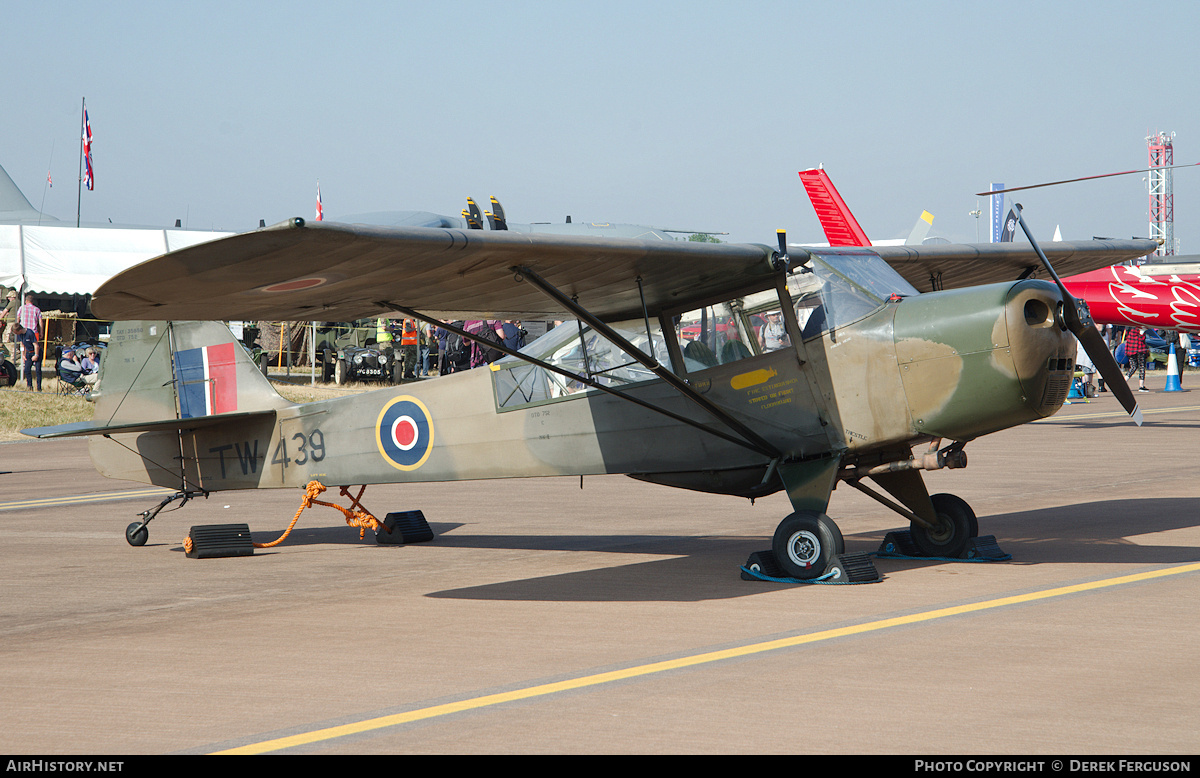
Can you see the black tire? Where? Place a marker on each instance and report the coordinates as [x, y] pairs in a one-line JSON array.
[[10, 373], [956, 526], [137, 534], [805, 543]]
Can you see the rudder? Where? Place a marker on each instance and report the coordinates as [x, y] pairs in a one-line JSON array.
[[158, 370]]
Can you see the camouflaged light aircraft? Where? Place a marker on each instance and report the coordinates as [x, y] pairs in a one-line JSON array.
[[725, 368]]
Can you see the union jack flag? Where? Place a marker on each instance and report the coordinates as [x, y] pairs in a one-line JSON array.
[[88, 178], [320, 210]]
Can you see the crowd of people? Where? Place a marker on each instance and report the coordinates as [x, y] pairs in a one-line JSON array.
[[430, 351], [1133, 352], [20, 325]]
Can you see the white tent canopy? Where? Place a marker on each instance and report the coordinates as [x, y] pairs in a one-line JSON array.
[[77, 260]]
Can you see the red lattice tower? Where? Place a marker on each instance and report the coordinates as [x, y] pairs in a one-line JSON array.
[[1162, 198]]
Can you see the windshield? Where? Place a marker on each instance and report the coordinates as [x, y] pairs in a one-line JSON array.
[[848, 284]]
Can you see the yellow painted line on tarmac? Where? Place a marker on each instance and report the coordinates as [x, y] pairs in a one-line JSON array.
[[1113, 414], [598, 679], [80, 499]]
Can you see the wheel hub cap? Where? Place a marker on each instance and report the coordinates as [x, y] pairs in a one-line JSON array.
[[804, 548]]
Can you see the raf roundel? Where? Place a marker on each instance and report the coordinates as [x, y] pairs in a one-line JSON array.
[[404, 433]]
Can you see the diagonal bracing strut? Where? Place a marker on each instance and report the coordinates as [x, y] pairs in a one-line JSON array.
[[756, 441], [583, 379]]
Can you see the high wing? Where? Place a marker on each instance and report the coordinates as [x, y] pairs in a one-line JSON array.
[[951, 265], [337, 272], [326, 271]]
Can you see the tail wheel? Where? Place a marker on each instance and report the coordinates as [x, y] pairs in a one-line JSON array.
[[955, 528], [137, 534], [805, 544]]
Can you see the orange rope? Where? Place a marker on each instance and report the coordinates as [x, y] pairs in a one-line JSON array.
[[355, 518]]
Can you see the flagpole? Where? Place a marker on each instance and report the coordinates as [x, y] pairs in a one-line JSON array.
[[49, 168], [79, 188]]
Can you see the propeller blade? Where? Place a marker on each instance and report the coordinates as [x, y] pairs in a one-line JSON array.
[[1093, 343], [1084, 178], [1078, 319], [501, 222], [475, 216]]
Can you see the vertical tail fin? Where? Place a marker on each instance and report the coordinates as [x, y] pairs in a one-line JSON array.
[[158, 370], [920, 230], [179, 404], [841, 228]]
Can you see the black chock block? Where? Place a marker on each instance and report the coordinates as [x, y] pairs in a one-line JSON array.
[[210, 541], [985, 547], [845, 568], [899, 543], [406, 527], [763, 562], [854, 568]]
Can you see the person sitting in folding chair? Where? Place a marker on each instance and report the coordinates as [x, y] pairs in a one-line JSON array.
[[70, 371]]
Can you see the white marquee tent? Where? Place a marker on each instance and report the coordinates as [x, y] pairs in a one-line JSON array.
[[60, 260]]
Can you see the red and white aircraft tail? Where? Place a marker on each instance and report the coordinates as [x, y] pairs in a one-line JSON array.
[[841, 228]]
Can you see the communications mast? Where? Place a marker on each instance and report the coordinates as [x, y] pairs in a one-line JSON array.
[[1162, 198]]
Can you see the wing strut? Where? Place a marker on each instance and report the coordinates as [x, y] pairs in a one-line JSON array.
[[757, 442], [585, 380]]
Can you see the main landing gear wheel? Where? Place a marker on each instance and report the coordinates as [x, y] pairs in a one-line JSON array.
[[956, 526], [137, 534], [805, 543]]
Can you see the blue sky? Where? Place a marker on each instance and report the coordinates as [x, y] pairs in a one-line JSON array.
[[685, 115]]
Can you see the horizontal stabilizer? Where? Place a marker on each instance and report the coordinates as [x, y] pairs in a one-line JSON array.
[[85, 428]]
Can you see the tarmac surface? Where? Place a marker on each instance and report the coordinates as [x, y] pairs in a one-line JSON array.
[[546, 618]]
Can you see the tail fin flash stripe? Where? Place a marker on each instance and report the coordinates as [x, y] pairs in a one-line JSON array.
[[206, 379]]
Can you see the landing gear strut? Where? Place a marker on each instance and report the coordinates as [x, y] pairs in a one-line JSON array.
[[137, 534]]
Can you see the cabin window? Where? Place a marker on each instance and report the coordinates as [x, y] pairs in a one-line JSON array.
[[713, 335], [582, 351]]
